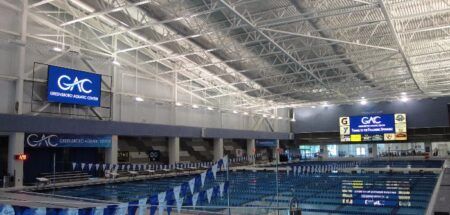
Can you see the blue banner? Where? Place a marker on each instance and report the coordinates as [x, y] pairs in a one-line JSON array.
[[73, 87], [266, 143], [39, 140], [372, 124]]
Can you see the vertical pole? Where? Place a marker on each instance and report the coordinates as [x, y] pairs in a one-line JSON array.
[[276, 179], [228, 191], [54, 169]]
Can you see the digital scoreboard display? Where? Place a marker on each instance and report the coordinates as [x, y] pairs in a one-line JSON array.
[[373, 128], [71, 86], [376, 193]]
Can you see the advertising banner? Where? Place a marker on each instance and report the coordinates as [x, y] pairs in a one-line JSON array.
[[39, 140], [73, 87]]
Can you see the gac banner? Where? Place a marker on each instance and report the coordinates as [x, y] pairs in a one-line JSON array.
[[266, 143], [73, 87], [371, 128], [40, 140]]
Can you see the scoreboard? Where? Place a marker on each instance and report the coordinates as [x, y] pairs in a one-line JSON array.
[[373, 128]]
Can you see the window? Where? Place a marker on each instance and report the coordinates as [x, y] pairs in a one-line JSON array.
[[360, 151]]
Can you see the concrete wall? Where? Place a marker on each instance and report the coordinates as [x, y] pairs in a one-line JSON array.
[[419, 113]]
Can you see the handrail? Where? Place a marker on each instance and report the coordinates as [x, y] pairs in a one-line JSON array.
[[433, 198]]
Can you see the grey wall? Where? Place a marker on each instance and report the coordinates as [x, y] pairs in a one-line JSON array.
[[25, 123], [420, 114]]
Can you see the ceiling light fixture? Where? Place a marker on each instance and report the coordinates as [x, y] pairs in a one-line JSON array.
[[57, 49], [139, 99], [404, 99], [178, 104], [195, 106], [115, 62], [363, 101]]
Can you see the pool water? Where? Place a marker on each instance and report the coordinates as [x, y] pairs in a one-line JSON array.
[[317, 193]]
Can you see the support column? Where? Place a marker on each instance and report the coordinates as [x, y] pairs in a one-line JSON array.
[[277, 153], [112, 153], [374, 150], [218, 148], [428, 147], [324, 150], [251, 148], [15, 167], [174, 150]]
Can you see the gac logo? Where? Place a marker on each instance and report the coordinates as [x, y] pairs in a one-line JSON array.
[[34, 140], [65, 83], [371, 120]]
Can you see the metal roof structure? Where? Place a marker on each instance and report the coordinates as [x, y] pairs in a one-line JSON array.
[[265, 54]]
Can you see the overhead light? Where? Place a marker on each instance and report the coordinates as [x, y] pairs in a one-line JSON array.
[[404, 99], [245, 113], [264, 115], [139, 99], [313, 106], [325, 104], [363, 101], [210, 108], [272, 117], [403, 93], [115, 62], [179, 104], [293, 120], [195, 106], [280, 117], [57, 49], [235, 111]]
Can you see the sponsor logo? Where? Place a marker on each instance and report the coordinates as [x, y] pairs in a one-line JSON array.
[[35, 140], [345, 138], [65, 83], [345, 130], [389, 136], [371, 120], [400, 117], [344, 121], [355, 138]]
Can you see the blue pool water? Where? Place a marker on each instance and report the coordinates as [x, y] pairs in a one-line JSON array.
[[317, 193]]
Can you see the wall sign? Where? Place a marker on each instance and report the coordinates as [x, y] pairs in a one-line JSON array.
[[371, 128], [266, 143], [154, 155], [73, 87], [39, 140]]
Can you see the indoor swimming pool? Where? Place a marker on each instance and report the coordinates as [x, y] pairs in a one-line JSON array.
[[257, 192]]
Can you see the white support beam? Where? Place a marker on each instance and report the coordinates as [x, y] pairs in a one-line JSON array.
[[286, 53], [329, 39], [111, 10], [399, 44]]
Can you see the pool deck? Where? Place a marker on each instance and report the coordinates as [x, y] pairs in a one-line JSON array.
[[35, 200], [441, 197]]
